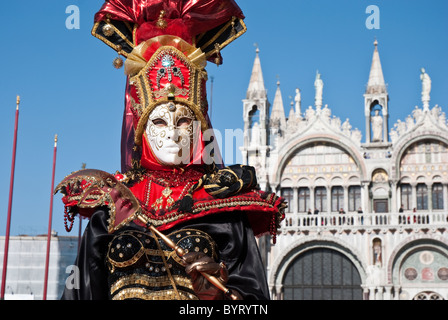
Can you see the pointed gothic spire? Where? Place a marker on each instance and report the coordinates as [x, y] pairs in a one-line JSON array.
[[376, 82], [278, 112], [377, 129], [256, 85], [292, 114]]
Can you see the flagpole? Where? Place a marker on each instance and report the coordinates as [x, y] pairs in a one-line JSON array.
[[50, 220], [11, 187]]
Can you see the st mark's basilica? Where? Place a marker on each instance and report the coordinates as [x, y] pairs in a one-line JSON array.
[[367, 215]]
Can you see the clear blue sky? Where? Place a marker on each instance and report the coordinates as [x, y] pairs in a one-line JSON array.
[[68, 86]]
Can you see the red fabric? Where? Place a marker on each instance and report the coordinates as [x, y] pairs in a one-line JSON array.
[[127, 131], [174, 28], [261, 211], [177, 81], [185, 18]]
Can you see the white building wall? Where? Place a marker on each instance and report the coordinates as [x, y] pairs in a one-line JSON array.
[[26, 266], [380, 280]]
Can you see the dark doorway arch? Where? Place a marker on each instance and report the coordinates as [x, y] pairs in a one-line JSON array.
[[322, 274]]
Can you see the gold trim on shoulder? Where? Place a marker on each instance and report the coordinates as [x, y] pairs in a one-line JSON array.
[[108, 42]]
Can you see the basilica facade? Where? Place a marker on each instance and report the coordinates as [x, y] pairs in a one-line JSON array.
[[367, 215]]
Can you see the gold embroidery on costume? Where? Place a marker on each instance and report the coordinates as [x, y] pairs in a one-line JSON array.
[[141, 266], [198, 207], [143, 294], [165, 198]]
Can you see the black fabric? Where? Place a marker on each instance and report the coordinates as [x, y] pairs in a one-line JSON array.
[[237, 248], [116, 39], [136, 253], [230, 180], [239, 251], [90, 260]]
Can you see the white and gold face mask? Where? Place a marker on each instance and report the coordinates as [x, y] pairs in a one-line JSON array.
[[170, 133]]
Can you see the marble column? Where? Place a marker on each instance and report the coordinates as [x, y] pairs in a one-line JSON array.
[[445, 196], [368, 126], [385, 126], [387, 292], [414, 195], [295, 205], [429, 186], [393, 200], [346, 208], [244, 154], [365, 197], [312, 203]]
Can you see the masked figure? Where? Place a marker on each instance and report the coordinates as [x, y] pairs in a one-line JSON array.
[[175, 215]]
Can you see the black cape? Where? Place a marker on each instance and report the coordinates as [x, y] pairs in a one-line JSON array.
[[232, 233]]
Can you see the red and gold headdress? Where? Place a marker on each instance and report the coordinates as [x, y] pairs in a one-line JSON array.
[[167, 45]]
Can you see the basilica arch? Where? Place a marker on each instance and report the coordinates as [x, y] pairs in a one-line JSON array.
[[288, 151], [422, 173], [420, 262], [403, 147], [337, 272], [320, 173]]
